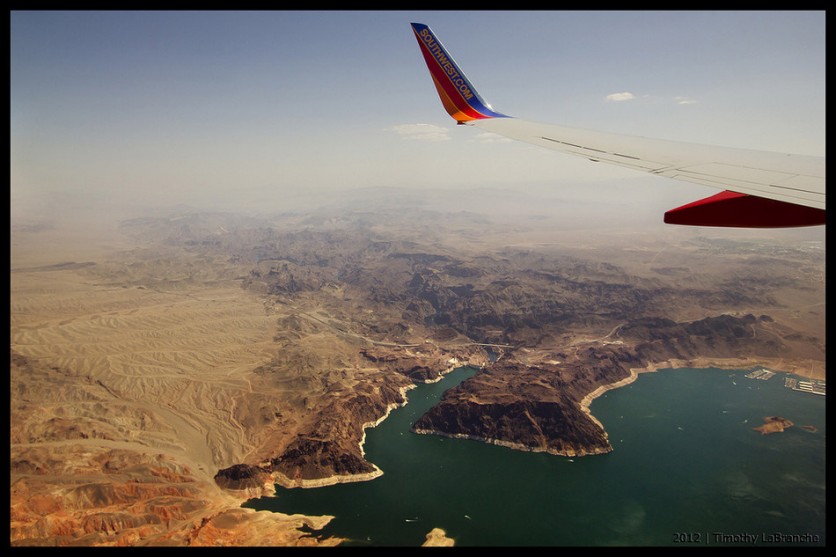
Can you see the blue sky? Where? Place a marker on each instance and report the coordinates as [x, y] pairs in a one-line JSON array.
[[174, 107]]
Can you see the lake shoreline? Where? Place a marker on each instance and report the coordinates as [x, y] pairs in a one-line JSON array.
[[467, 489], [696, 363], [288, 483], [584, 404]]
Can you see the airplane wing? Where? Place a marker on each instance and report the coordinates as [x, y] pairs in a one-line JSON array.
[[760, 189]]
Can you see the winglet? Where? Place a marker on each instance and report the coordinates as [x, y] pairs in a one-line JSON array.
[[731, 209], [458, 96]]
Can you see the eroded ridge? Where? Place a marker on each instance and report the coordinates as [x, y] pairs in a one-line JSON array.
[[156, 387]]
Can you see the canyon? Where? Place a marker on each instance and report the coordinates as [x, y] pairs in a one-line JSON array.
[[166, 372]]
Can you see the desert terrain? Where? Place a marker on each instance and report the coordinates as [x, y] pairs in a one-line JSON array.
[[166, 368]]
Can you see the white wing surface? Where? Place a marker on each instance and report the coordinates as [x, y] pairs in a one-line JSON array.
[[759, 188]]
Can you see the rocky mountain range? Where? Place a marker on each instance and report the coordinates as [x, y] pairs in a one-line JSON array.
[[213, 355]]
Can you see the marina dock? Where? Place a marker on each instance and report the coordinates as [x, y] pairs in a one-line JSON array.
[[815, 386], [763, 374]]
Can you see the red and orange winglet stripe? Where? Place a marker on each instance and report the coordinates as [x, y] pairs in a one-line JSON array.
[[458, 96]]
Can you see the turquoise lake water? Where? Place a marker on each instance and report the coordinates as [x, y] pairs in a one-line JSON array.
[[686, 469]]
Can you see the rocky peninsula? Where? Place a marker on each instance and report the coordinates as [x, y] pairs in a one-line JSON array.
[[201, 358]]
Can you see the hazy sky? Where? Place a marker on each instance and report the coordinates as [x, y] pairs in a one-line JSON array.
[[171, 107]]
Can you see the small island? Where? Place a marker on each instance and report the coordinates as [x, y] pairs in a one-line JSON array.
[[438, 538], [773, 424]]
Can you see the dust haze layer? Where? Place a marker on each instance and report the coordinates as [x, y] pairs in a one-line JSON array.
[[166, 368]]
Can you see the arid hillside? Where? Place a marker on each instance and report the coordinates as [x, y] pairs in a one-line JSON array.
[[167, 368]]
